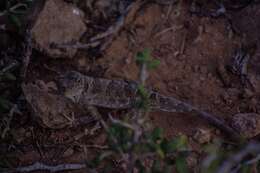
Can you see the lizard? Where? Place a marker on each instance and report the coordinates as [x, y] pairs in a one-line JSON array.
[[121, 94]]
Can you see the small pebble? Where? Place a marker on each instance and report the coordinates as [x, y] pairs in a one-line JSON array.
[[202, 136], [247, 124]]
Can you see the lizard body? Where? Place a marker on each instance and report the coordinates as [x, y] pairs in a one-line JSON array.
[[119, 94], [114, 94]]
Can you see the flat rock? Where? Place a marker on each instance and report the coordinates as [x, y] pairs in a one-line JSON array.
[[58, 23], [50, 110], [247, 124]]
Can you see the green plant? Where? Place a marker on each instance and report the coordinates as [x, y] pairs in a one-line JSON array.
[[139, 147], [145, 58], [231, 159], [142, 149]]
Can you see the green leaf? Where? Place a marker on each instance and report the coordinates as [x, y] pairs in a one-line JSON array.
[[122, 135], [181, 165], [144, 101], [181, 142], [147, 53], [211, 164], [157, 134], [160, 152], [142, 91], [153, 64], [143, 57], [213, 148], [175, 144]]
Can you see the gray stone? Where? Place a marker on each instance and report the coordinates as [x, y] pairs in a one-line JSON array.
[[58, 23], [247, 124]]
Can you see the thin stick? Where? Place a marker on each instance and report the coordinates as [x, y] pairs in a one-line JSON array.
[[9, 67], [13, 110], [212, 119], [77, 45], [41, 166], [95, 113], [175, 105], [251, 148], [172, 28], [13, 8], [218, 123], [248, 162], [111, 30], [121, 123], [114, 29], [100, 147], [27, 54], [183, 43]]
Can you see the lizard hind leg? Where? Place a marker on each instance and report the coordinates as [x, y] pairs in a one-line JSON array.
[[98, 117]]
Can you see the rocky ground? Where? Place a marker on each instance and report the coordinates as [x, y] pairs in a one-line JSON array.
[[198, 45]]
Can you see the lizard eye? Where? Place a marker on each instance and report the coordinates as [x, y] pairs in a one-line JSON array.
[[78, 81]]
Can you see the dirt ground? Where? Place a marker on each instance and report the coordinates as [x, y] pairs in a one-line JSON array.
[[194, 50]]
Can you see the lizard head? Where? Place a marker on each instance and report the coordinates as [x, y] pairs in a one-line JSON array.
[[72, 85]]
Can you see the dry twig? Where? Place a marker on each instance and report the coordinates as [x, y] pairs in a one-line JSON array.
[[215, 121], [40, 166], [27, 53], [122, 20], [121, 123], [13, 9], [251, 148], [100, 147], [9, 67], [172, 28], [77, 45], [95, 113], [13, 110], [249, 162]]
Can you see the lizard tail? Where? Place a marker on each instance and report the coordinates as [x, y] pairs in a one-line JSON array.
[[170, 104]]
